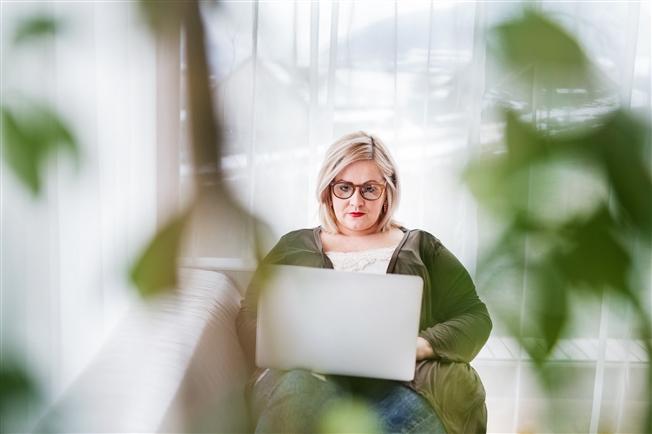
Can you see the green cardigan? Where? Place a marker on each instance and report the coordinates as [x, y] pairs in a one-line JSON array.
[[453, 320]]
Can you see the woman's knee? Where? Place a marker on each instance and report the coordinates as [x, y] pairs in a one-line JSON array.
[[295, 385], [293, 401], [301, 381], [301, 376]]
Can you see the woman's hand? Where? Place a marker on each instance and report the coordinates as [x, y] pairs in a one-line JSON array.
[[424, 350]]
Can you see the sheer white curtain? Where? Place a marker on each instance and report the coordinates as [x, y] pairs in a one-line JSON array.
[[65, 254], [291, 77]]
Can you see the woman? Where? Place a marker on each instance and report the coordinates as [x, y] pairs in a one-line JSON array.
[[358, 192]]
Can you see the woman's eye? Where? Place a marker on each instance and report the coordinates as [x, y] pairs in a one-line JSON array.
[[370, 188], [344, 188]]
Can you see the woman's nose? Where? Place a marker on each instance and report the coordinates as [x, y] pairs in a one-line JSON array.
[[357, 197]]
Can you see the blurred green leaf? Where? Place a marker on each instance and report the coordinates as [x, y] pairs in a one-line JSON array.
[[163, 17], [552, 309], [622, 141], [545, 311], [526, 335], [487, 179], [349, 416], [536, 41], [586, 248], [156, 270], [15, 385], [21, 153], [524, 144], [31, 135], [593, 257], [36, 27]]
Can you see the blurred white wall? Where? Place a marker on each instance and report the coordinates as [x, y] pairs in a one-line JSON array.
[[65, 254]]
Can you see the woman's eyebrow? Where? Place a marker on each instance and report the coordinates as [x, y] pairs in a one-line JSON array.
[[369, 180]]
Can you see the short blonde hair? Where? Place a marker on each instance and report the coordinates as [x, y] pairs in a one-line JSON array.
[[357, 146]]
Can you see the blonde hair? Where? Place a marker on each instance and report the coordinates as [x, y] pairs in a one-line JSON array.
[[357, 146]]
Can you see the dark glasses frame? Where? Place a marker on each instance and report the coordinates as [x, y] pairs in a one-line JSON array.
[[358, 186]]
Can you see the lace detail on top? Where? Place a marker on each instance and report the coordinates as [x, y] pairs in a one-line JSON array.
[[366, 261]]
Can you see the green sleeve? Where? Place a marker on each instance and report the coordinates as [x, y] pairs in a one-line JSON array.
[[460, 320]]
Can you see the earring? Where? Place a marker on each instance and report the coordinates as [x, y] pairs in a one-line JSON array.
[[385, 207]]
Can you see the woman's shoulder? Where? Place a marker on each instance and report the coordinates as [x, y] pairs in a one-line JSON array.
[[299, 234], [299, 238], [425, 238], [292, 246], [439, 256]]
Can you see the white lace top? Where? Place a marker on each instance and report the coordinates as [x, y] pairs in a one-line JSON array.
[[365, 261]]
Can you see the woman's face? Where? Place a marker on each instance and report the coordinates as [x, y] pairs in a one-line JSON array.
[[367, 212]]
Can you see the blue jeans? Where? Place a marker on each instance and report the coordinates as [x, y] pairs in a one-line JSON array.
[[297, 400]]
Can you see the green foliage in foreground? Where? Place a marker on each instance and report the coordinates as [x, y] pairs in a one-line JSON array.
[[36, 28], [349, 416], [32, 134], [17, 390], [568, 253], [156, 269], [32, 131]]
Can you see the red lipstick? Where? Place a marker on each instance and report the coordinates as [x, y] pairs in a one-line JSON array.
[[356, 214]]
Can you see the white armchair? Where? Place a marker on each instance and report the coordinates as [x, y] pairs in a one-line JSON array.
[[172, 365]]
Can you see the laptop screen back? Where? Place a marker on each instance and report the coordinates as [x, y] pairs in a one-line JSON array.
[[337, 322]]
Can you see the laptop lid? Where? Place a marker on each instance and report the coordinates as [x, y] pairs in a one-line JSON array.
[[338, 322]]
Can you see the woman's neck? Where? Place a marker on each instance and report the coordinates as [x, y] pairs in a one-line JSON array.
[[346, 243], [373, 230]]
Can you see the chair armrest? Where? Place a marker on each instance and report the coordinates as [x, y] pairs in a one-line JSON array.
[[167, 360]]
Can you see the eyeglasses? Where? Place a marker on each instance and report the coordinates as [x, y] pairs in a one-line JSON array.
[[368, 190]]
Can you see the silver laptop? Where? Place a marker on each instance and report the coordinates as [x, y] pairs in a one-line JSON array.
[[338, 322]]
